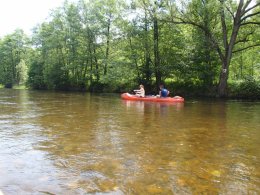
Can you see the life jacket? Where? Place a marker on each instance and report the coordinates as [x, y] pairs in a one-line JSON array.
[[164, 92]]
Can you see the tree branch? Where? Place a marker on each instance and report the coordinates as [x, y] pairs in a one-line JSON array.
[[242, 40], [249, 15], [224, 27], [246, 5], [213, 41], [249, 9], [231, 13], [250, 46], [245, 37], [182, 21], [254, 23]]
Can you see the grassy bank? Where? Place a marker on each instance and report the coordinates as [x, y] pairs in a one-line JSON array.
[[19, 87], [15, 87]]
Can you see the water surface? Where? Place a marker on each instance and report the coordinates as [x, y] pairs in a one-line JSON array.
[[80, 143]]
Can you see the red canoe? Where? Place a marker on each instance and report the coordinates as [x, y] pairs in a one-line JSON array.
[[128, 96]]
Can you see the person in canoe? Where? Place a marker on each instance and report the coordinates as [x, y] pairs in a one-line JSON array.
[[163, 92], [140, 92]]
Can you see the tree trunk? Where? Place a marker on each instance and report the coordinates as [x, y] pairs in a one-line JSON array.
[[108, 42], [228, 48], [158, 74], [96, 63], [223, 78], [90, 53], [241, 65], [147, 54], [134, 59]]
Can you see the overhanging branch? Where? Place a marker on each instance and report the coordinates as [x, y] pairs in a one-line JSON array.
[[253, 23], [231, 13], [200, 26], [249, 15], [181, 21], [245, 38], [249, 9], [245, 6], [248, 47], [242, 41]]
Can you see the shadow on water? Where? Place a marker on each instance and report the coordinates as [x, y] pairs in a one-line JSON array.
[[78, 143]]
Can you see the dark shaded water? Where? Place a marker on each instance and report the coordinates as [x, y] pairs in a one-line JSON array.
[[73, 143]]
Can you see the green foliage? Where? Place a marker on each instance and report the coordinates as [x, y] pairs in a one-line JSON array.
[[21, 70], [115, 45], [190, 88], [13, 56], [35, 72], [249, 88], [245, 64], [19, 87]]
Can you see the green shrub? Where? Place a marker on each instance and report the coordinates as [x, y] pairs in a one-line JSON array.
[[249, 88], [191, 88]]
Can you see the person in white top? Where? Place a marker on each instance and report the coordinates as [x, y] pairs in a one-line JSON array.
[[140, 92]]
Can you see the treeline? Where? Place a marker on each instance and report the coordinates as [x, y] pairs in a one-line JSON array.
[[197, 47]]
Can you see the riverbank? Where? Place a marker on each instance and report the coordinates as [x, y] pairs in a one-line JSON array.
[[15, 87], [246, 90]]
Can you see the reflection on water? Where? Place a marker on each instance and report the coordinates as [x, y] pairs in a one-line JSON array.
[[73, 143]]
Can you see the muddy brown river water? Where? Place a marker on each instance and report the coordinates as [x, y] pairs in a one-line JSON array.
[[81, 143]]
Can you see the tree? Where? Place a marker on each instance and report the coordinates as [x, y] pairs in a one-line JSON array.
[[21, 70], [231, 17], [35, 72], [13, 49]]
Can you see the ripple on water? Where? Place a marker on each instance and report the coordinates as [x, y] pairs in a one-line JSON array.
[[5, 121], [6, 116], [94, 182], [7, 103], [100, 146]]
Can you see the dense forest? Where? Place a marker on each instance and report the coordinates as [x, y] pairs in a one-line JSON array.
[[194, 47]]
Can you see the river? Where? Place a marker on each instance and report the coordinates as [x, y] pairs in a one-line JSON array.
[[81, 143]]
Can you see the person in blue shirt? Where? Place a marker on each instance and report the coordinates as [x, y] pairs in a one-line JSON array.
[[163, 92]]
